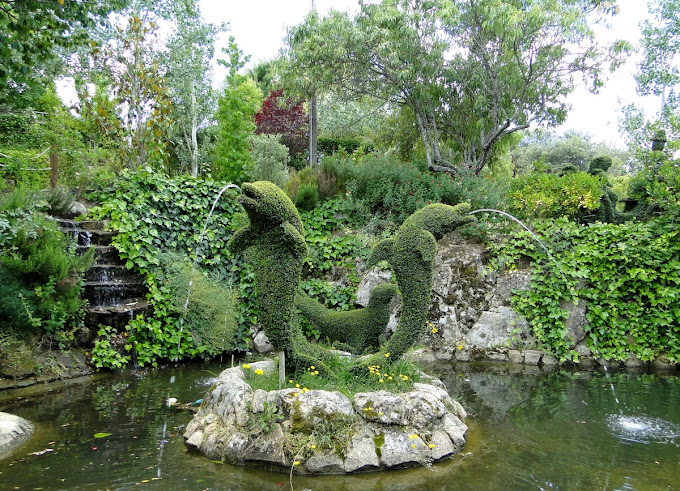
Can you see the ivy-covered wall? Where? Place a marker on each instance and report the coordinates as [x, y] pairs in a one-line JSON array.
[[629, 274]]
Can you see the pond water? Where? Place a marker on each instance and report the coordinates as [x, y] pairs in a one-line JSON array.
[[528, 430]]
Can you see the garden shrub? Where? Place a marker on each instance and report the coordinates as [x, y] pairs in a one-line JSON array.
[[329, 145], [387, 188], [540, 195], [203, 304], [628, 275], [42, 277], [307, 196], [270, 157]]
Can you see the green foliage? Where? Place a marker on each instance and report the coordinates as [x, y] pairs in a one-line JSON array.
[[203, 304], [275, 247], [307, 196], [104, 352], [154, 215], [387, 188], [628, 274], [237, 106], [41, 274], [359, 329], [270, 157], [551, 196], [411, 254], [329, 145]]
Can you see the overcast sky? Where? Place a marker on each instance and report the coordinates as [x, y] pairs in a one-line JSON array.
[[259, 27]]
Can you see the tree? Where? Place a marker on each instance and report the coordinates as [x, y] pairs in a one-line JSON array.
[[471, 72], [139, 89], [284, 117], [235, 115], [187, 57], [32, 30]]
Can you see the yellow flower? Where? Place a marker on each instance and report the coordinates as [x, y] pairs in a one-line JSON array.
[[297, 462], [387, 355], [312, 367], [245, 365], [259, 371], [435, 330], [290, 381], [297, 386], [460, 346], [316, 372], [432, 445], [413, 446], [305, 389], [381, 380], [389, 378], [368, 409], [313, 447], [380, 414], [295, 394]]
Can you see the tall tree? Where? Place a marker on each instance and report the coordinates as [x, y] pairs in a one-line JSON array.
[[235, 115], [284, 117], [32, 30], [139, 90], [470, 71], [188, 55]]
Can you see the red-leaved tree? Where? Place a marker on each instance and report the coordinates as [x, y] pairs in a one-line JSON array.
[[279, 116]]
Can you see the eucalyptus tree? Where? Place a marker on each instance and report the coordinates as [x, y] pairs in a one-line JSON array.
[[471, 72]]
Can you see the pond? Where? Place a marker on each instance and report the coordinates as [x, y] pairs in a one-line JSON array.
[[529, 429]]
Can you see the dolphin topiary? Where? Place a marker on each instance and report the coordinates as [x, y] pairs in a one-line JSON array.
[[274, 245], [354, 330], [411, 254]]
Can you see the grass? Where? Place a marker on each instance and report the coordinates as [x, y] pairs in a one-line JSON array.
[[395, 377]]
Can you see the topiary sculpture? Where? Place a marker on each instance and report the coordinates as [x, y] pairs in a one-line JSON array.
[[411, 254], [274, 245], [354, 330]]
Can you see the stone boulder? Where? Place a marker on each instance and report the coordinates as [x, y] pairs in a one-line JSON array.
[[379, 430], [14, 431]]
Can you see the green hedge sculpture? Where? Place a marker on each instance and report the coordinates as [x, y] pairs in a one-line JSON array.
[[274, 245], [354, 330], [411, 254]]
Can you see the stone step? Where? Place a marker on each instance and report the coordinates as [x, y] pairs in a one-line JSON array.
[[117, 316], [114, 273], [89, 225], [102, 254], [108, 294]]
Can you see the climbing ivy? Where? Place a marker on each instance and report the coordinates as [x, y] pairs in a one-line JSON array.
[[628, 274], [155, 214]]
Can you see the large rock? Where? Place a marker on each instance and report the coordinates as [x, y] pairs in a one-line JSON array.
[[372, 279], [381, 430], [14, 431], [500, 326]]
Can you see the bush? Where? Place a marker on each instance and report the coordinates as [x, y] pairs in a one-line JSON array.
[[387, 188], [39, 271], [307, 196], [540, 195], [270, 157]]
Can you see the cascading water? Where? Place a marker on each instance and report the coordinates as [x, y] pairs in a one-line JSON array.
[[195, 261]]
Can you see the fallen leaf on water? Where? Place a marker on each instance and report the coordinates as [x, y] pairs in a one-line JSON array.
[[50, 443], [101, 435], [217, 462], [42, 452]]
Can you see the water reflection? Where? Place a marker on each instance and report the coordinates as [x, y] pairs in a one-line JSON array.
[[528, 430]]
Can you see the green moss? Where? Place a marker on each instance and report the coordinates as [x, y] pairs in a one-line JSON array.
[[379, 441], [357, 330]]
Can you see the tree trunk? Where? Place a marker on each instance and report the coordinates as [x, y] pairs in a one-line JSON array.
[[194, 129], [313, 157]]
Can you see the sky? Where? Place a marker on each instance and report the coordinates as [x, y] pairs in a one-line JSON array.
[[259, 27]]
